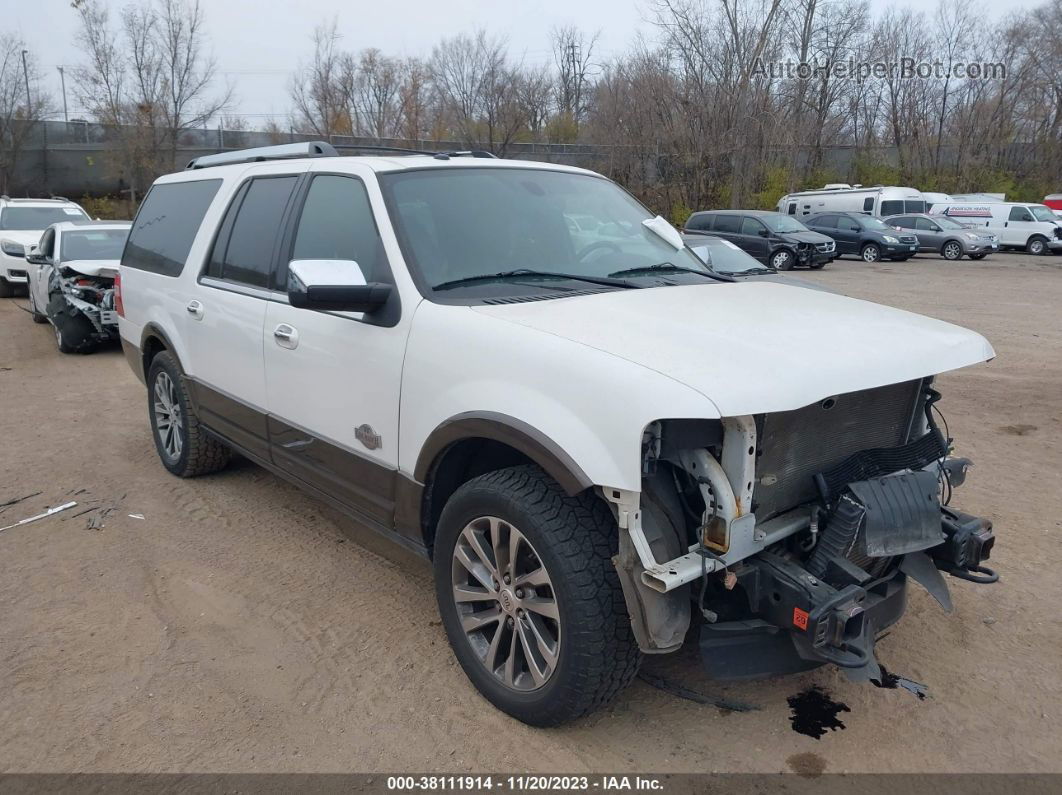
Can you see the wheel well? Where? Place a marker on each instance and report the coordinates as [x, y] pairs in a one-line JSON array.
[[457, 464], [153, 346]]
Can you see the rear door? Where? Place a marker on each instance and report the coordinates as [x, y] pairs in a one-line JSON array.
[[333, 378], [225, 320]]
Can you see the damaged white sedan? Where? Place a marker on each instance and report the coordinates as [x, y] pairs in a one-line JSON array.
[[71, 282]]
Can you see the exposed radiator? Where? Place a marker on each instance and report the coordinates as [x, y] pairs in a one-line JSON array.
[[795, 445]]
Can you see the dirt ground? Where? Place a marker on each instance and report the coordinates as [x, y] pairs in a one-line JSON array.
[[242, 626]]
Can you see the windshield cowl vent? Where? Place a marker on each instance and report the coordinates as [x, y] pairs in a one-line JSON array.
[[523, 299]]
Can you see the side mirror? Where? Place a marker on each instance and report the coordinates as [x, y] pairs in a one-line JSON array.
[[763, 233], [335, 284], [34, 256]]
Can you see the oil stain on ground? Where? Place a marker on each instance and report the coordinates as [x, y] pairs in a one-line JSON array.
[[814, 712], [808, 765]]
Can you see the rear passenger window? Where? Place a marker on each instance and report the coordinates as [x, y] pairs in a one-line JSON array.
[[699, 221], [166, 225], [246, 245], [728, 223], [337, 223]]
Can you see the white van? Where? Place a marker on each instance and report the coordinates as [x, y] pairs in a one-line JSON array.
[[1032, 227], [879, 201]]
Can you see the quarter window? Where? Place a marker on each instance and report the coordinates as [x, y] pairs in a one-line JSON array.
[[167, 224], [246, 245]]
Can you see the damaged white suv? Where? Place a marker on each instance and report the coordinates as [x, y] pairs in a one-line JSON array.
[[601, 444]]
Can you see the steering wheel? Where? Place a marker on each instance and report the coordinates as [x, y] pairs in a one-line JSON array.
[[600, 245]]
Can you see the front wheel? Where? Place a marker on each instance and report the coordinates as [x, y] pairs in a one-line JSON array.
[[871, 252], [74, 333], [529, 597], [1037, 245], [783, 260], [951, 250], [183, 445]]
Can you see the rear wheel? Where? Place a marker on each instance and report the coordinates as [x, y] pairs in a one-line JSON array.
[[951, 250], [871, 252], [1037, 245], [183, 445], [529, 597]]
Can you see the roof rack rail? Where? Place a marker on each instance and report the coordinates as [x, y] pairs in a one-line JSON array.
[[378, 148], [281, 152], [466, 153]]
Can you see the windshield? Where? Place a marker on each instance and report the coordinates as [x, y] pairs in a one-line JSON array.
[[725, 257], [782, 224], [34, 218], [93, 244], [1041, 213], [875, 224], [458, 223]]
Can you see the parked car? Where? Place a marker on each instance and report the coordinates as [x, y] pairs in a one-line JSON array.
[[71, 282], [877, 201], [772, 238], [724, 257], [22, 222], [601, 444], [866, 237], [1032, 227], [939, 233]]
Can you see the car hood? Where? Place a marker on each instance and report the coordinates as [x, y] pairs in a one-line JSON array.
[[806, 237], [25, 237], [753, 347], [93, 267]]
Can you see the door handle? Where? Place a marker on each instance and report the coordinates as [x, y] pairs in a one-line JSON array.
[[195, 309], [286, 336]]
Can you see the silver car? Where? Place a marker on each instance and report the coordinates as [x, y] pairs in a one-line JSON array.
[[939, 233]]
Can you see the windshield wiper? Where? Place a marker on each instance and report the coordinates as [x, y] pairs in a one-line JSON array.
[[669, 268], [750, 270], [486, 277]]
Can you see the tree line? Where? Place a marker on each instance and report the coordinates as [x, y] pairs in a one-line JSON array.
[[703, 109]]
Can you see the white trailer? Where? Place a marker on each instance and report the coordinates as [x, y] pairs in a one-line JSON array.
[[879, 201]]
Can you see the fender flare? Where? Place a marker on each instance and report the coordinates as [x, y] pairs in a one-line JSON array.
[[519, 435]]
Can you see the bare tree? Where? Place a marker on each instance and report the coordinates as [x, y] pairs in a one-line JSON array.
[[573, 52], [20, 109], [317, 90]]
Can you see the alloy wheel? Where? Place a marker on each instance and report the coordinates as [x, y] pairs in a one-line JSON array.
[[871, 254], [952, 251], [506, 603], [169, 424]]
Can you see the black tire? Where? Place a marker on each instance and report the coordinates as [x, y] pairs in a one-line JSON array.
[[951, 250], [977, 256], [74, 333], [1037, 245], [199, 453], [817, 266], [7, 289], [36, 316], [574, 539], [871, 252], [783, 260]]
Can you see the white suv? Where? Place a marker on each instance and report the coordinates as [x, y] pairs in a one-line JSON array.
[[22, 222], [599, 442]]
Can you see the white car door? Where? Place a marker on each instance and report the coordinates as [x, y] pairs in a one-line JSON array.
[[225, 318], [333, 378], [39, 274], [1018, 227]]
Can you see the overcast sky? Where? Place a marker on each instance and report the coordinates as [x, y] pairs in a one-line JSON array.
[[258, 43]]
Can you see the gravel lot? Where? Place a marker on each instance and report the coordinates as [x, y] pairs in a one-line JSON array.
[[242, 626]]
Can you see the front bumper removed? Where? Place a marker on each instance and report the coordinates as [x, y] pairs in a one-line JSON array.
[[802, 621]]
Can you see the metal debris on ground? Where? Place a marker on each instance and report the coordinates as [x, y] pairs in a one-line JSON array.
[[136, 516], [676, 689], [44, 515]]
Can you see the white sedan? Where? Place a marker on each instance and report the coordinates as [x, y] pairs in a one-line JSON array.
[[71, 282]]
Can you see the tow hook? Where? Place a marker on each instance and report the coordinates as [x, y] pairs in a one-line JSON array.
[[968, 543]]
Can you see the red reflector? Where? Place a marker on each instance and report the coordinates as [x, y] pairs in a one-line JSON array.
[[118, 305]]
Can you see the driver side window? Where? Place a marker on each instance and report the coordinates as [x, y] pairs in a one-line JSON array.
[[47, 244], [1020, 214]]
